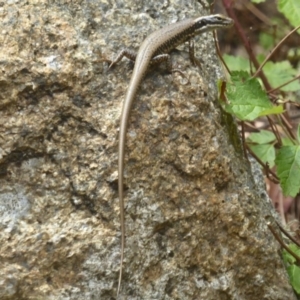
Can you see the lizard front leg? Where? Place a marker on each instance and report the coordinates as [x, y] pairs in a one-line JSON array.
[[124, 52]]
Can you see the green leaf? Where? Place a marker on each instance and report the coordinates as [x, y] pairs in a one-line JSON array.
[[266, 153], [292, 269], [287, 142], [288, 258], [260, 57], [258, 1], [288, 169], [262, 137], [263, 147], [294, 275], [275, 110], [237, 63], [247, 99], [280, 73], [295, 249], [298, 133], [291, 10], [266, 40]]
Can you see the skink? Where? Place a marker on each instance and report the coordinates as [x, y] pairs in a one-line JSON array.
[[155, 48]]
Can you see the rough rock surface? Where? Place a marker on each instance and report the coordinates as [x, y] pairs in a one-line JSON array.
[[195, 220]]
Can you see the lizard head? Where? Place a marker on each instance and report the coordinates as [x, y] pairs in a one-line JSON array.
[[211, 22]]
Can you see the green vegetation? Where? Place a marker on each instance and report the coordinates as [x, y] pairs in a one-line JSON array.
[[261, 89], [265, 92]]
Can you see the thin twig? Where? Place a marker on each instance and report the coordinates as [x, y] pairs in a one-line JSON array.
[[287, 234], [268, 170], [228, 6], [283, 245], [286, 83], [274, 49]]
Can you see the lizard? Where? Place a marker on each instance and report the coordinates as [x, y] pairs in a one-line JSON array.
[[154, 49]]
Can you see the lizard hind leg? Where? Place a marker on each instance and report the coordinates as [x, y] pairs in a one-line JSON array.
[[167, 58]]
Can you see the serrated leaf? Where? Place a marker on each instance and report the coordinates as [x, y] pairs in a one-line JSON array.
[[237, 63], [291, 10], [246, 97], [288, 169], [280, 73], [266, 153], [294, 275], [262, 137], [298, 133]]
